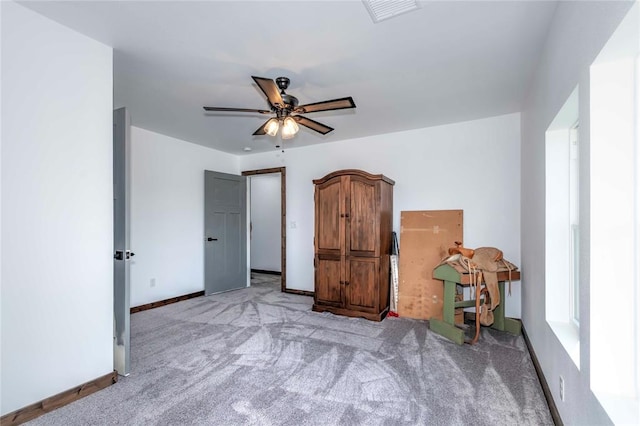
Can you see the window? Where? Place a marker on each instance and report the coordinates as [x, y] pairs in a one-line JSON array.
[[562, 227], [614, 223], [574, 225]]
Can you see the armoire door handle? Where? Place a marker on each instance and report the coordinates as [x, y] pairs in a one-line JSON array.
[[211, 239]]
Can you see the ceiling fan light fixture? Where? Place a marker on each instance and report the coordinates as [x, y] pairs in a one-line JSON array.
[[289, 128], [272, 127]]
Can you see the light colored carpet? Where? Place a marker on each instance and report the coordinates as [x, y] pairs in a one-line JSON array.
[[261, 357]]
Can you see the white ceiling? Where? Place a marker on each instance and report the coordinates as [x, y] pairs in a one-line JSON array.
[[448, 61]]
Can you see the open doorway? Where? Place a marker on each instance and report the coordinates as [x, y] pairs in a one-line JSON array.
[[260, 258]]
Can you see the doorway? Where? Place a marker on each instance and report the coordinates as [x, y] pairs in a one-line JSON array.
[[283, 220]]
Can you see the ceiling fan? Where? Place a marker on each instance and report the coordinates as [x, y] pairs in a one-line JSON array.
[[287, 109]]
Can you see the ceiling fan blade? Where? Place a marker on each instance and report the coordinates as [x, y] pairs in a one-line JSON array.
[[261, 130], [268, 86], [224, 109], [342, 103], [312, 124]]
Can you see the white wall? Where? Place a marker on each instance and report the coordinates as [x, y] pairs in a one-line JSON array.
[[266, 222], [167, 214], [577, 34], [472, 166], [57, 226]]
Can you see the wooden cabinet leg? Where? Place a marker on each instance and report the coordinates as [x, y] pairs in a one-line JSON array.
[[501, 323], [448, 308], [498, 312], [446, 326], [449, 331]]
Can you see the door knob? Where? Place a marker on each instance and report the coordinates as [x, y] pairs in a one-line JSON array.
[[211, 239], [123, 255]]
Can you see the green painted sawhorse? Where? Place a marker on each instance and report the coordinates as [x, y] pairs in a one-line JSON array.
[[452, 278]]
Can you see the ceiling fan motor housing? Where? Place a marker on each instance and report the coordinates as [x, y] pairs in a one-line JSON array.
[[290, 102], [283, 83]]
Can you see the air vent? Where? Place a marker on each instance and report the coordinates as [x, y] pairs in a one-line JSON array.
[[385, 9]]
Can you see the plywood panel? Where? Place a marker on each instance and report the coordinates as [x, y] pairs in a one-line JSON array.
[[425, 236]]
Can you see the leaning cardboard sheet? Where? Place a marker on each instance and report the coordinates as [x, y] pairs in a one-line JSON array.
[[483, 265]]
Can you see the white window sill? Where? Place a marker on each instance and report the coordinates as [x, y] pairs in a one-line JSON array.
[[621, 410], [569, 335]]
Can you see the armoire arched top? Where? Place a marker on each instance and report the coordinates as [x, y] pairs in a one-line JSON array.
[[353, 172]]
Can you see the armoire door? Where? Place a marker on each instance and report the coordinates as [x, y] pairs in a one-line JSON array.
[[329, 232], [362, 282], [328, 288], [362, 215]]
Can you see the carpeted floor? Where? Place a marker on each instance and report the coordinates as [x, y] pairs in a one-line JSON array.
[[261, 357]]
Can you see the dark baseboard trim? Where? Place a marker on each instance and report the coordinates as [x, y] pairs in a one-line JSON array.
[[166, 302], [32, 411], [263, 271], [555, 414], [300, 292]]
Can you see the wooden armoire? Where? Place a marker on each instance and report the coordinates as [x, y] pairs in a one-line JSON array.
[[353, 231]]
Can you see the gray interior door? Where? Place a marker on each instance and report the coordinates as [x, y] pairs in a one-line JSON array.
[[121, 194], [225, 238]]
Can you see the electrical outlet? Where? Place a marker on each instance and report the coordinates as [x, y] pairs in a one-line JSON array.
[[153, 282], [561, 388]]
